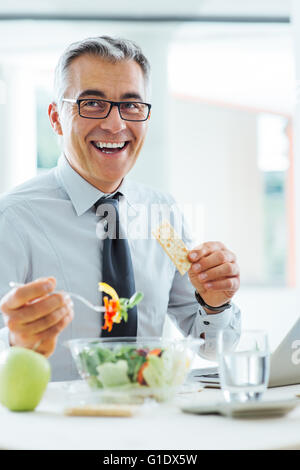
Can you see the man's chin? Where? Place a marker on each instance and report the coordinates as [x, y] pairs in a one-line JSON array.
[[105, 173], [108, 181]]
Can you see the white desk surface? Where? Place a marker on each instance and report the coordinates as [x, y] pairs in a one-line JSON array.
[[155, 427]]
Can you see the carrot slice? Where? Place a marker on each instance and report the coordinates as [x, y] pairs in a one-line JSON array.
[[140, 377], [155, 352]]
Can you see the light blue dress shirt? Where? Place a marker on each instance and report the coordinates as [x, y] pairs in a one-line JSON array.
[[48, 227]]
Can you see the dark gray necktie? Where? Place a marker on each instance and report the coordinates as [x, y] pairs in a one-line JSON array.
[[117, 270]]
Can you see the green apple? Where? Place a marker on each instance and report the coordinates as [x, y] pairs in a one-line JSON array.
[[24, 375]]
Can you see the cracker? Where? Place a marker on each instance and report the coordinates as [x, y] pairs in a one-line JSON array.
[[173, 246], [101, 410]]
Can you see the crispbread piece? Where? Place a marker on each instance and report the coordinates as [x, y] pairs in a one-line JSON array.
[[101, 410], [173, 246]]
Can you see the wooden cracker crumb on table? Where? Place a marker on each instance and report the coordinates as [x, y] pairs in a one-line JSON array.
[[102, 410]]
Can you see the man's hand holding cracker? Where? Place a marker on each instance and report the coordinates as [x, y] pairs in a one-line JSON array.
[[214, 273]]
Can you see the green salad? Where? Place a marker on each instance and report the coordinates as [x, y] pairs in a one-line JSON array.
[[129, 366]]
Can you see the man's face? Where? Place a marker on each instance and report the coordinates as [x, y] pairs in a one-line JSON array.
[[93, 77]]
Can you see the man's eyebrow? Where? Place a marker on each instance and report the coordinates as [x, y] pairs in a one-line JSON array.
[[128, 96], [101, 94]]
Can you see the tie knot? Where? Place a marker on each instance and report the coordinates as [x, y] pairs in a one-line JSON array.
[[113, 200]]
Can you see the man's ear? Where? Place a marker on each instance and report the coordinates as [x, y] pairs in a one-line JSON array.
[[54, 118]]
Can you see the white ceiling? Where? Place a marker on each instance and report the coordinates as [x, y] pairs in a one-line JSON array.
[[47, 36], [145, 7]]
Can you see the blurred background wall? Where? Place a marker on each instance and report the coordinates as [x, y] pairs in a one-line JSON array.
[[222, 132]]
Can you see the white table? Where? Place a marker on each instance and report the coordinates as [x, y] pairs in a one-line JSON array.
[[155, 427]]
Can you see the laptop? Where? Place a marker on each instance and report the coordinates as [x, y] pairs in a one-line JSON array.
[[284, 364]]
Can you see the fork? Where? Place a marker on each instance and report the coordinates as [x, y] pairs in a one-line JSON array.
[[97, 308]]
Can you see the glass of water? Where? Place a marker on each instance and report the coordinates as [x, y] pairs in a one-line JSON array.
[[244, 366]]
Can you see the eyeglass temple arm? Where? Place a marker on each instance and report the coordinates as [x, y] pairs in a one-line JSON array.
[[69, 100]]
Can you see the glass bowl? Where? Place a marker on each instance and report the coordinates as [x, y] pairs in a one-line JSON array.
[[129, 370]]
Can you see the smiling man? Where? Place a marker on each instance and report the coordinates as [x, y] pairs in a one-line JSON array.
[[48, 226]]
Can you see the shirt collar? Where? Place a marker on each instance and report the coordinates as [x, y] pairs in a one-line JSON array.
[[83, 194]]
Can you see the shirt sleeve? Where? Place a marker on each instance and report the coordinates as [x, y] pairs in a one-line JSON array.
[[14, 256]]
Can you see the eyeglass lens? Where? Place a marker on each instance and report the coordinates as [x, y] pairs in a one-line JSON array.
[[100, 109]]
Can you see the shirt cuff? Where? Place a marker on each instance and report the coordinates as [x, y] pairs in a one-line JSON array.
[[215, 321], [210, 325], [4, 338]]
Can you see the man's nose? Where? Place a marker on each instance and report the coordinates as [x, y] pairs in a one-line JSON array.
[[113, 122]]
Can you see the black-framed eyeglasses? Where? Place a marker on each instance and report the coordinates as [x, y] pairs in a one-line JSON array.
[[99, 109]]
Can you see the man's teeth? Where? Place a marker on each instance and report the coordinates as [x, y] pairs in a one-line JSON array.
[[113, 145]]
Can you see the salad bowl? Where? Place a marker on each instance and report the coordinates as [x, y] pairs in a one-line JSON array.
[[133, 369]]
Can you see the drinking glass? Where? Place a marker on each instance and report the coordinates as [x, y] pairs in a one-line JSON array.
[[243, 366]]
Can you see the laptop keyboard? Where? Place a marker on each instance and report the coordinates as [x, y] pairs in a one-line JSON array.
[[209, 376], [205, 376]]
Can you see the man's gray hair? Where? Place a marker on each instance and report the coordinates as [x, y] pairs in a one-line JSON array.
[[106, 47]]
